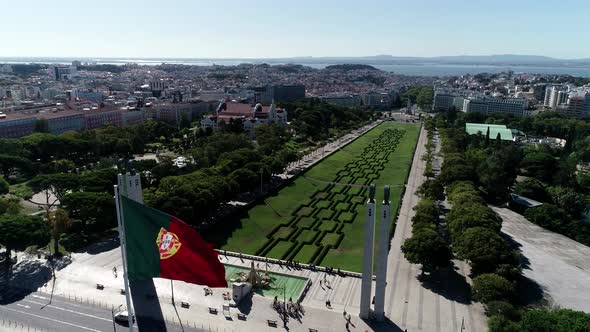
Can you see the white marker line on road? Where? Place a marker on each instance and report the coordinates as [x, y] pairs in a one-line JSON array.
[[24, 306], [39, 297], [68, 310], [50, 319], [61, 301]]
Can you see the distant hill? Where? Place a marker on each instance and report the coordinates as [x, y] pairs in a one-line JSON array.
[[349, 66]]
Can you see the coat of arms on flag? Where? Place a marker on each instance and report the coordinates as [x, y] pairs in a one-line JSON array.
[[168, 243]]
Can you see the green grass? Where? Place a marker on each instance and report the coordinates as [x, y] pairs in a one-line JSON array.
[[366, 156], [306, 252], [307, 236], [283, 233], [280, 250]]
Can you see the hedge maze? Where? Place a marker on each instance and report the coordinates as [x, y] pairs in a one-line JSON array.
[[316, 225]]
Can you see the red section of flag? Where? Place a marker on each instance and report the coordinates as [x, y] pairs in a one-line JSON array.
[[195, 261]]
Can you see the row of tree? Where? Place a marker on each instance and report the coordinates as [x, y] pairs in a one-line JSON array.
[[478, 169]]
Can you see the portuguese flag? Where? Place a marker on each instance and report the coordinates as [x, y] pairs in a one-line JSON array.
[[162, 246]]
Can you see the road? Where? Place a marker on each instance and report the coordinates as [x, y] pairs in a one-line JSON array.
[[34, 313], [437, 304]]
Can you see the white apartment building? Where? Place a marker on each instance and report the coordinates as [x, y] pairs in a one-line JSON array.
[[515, 106]]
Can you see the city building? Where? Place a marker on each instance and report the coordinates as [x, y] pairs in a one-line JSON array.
[[251, 116], [375, 99], [443, 102], [288, 93], [554, 96], [575, 107], [279, 93], [102, 118], [487, 105], [346, 101], [59, 73]]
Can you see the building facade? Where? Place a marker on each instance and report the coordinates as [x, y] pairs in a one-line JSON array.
[[251, 116], [443, 102], [515, 106]]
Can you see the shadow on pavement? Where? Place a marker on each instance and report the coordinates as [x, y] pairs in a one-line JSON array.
[[245, 305], [530, 292], [386, 326], [26, 277], [448, 284], [148, 312], [102, 246]]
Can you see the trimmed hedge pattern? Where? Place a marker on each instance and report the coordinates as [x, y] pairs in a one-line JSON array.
[[317, 223]]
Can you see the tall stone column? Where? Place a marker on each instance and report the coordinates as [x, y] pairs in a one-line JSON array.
[[366, 284], [382, 253], [130, 186]]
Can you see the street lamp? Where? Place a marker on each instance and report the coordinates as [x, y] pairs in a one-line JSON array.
[[113, 316]]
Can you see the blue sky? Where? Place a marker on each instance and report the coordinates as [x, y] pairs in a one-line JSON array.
[[285, 28]]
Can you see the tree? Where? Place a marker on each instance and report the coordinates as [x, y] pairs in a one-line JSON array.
[[488, 137], [426, 214], [19, 232], [4, 187], [491, 287], [9, 163], [483, 247], [426, 247], [101, 180], [532, 188], [568, 199], [547, 216], [465, 216], [59, 222], [432, 189], [55, 186], [540, 165], [96, 209], [540, 320], [499, 323]]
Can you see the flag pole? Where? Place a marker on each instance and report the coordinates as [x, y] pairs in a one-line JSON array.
[[121, 226]]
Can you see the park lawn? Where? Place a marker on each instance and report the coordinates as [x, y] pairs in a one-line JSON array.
[[250, 236]]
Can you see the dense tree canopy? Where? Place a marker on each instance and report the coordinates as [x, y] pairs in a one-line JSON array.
[[491, 287], [19, 232], [426, 247]]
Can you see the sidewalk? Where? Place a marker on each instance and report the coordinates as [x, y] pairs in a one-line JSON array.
[[78, 282]]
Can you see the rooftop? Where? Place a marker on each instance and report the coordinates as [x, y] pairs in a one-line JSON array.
[[475, 128]]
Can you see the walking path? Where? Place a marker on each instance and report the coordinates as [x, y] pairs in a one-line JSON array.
[[440, 304], [317, 155], [77, 283]]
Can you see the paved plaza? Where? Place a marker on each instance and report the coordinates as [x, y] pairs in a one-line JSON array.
[[560, 265]]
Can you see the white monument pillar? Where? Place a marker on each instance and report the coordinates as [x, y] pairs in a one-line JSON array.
[[382, 253], [130, 186], [366, 284]]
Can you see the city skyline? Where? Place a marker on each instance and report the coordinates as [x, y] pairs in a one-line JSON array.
[[229, 29]]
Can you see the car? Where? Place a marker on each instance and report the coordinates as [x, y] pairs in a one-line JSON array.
[[122, 318]]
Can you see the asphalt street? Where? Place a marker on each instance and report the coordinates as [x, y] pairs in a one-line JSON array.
[[63, 314]]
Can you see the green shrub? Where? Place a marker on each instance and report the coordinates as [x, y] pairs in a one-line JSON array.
[[491, 287]]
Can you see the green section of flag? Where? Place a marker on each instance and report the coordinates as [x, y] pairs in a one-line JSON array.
[[142, 225]]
